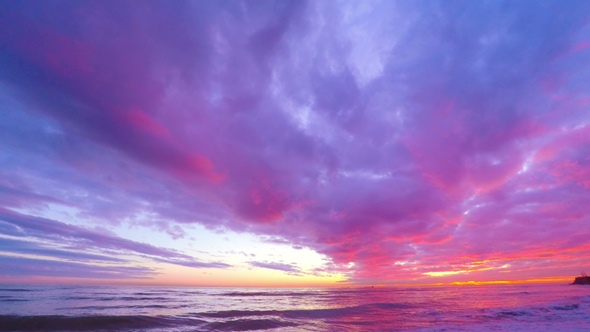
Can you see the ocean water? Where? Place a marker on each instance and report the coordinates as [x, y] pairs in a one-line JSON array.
[[456, 308]]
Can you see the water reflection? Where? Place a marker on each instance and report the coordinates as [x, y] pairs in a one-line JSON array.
[[342, 309]]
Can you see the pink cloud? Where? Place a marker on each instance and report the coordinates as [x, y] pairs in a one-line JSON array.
[[462, 140]]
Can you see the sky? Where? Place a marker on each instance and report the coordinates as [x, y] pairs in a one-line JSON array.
[[294, 143]]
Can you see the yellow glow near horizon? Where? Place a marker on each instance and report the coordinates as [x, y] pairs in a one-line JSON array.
[[507, 282], [242, 277], [476, 266], [471, 282], [444, 273]]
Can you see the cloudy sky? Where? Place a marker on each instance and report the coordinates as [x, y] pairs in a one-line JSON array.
[[294, 143]]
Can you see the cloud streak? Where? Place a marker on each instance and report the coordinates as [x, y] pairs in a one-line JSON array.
[[78, 243], [289, 268]]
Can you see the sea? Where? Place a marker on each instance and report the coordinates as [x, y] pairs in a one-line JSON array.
[[532, 307]]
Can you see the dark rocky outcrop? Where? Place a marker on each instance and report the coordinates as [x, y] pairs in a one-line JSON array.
[[583, 280]]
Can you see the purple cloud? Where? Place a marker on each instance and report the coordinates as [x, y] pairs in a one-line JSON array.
[[25, 247], [20, 267], [290, 268], [406, 138], [80, 239]]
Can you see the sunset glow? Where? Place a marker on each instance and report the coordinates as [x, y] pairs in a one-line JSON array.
[[293, 143]]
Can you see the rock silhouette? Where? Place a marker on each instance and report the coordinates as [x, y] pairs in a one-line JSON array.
[[583, 280]]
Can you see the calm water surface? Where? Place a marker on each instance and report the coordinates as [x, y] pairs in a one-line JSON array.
[[466, 308]]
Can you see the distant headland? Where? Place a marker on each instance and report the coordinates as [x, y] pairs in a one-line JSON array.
[[583, 280]]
